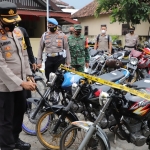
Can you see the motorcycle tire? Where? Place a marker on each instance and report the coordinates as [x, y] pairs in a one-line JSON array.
[[94, 143], [48, 139]]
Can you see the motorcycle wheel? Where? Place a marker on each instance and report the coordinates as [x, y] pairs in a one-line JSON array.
[[29, 124], [77, 135], [48, 139]]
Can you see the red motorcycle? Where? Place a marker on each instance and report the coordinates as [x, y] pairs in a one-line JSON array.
[[139, 65]]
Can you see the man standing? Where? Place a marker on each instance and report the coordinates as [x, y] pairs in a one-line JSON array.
[[78, 46], [54, 43], [131, 39], [14, 69], [71, 31], [103, 41]]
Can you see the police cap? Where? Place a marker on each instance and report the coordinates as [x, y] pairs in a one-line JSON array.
[[77, 27], [131, 27], [52, 21], [8, 12]]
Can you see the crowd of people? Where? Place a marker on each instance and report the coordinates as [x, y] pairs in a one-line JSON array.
[[15, 54]]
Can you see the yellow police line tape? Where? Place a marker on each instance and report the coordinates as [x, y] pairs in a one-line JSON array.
[[109, 83]]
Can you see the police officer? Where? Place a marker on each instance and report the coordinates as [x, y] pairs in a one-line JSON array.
[[131, 39], [78, 46], [14, 68], [103, 41], [54, 42]]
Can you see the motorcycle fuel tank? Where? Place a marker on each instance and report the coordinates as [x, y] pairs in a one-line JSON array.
[[69, 79]]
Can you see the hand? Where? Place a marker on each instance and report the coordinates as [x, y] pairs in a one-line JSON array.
[[39, 65], [28, 85], [34, 66], [68, 64], [87, 65]]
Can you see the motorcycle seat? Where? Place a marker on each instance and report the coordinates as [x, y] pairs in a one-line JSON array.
[[116, 55], [145, 83], [112, 76], [125, 61]]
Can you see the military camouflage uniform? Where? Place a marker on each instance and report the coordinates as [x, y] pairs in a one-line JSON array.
[[79, 52]]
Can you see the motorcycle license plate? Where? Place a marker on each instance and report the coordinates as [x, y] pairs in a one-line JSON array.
[[132, 66]]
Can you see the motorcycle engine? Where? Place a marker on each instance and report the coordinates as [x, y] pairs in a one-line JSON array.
[[107, 123], [139, 131]]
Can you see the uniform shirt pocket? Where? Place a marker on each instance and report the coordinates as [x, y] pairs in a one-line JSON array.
[[7, 52], [47, 43], [59, 43], [134, 41]]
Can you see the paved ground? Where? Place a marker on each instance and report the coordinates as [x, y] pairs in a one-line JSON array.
[[120, 145]]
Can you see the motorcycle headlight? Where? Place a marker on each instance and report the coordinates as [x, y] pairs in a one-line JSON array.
[[52, 78], [101, 59], [133, 60], [103, 98]]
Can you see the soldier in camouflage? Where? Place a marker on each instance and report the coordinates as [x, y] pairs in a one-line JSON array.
[[78, 46]]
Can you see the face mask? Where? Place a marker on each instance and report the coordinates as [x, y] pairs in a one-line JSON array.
[[103, 31], [78, 32], [10, 26], [52, 29]]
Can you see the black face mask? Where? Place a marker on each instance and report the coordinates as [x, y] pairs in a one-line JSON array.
[[10, 26], [52, 29], [78, 32], [131, 32]]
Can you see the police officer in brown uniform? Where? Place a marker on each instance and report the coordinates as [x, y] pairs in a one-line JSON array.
[[103, 41], [14, 69], [131, 39], [54, 43]]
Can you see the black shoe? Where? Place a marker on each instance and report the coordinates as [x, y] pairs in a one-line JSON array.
[[22, 145]]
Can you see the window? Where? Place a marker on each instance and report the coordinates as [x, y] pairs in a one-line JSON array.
[[86, 30], [125, 29]]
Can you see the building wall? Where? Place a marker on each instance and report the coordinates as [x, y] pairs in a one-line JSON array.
[[112, 29], [35, 42]]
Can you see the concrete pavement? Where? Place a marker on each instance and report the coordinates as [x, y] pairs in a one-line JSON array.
[[120, 145]]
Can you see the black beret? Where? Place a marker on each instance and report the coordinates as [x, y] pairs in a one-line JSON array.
[[8, 12]]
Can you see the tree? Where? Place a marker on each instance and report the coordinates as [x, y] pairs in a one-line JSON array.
[[129, 11]]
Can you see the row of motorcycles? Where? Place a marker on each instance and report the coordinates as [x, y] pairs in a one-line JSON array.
[[103, 107]]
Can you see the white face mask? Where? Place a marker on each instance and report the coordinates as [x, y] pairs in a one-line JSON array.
[[103, 31]]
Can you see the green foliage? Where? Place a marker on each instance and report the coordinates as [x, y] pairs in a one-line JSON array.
[[114, 37], [125, 11]]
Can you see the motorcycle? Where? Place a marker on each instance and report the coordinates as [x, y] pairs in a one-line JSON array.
[[139, 65], [83, 101], [131, 114]]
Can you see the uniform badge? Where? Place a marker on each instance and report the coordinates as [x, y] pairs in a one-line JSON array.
[[8, 55], [10, 12], [2, 31], [18, 34], [7, 48], [3, 38]]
